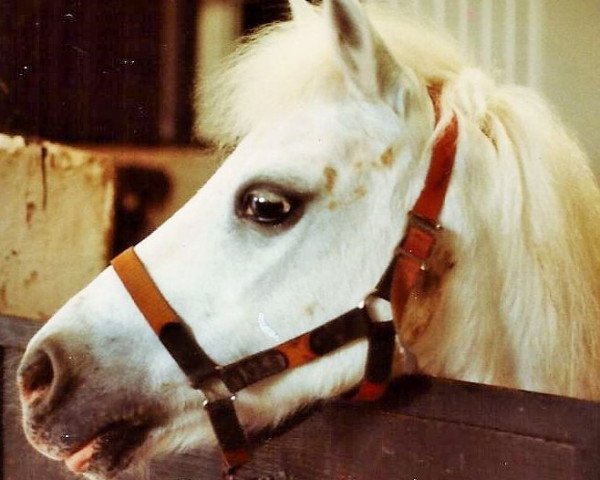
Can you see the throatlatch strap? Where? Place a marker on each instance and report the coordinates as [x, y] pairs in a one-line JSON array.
[[404, 273], [431, 200]]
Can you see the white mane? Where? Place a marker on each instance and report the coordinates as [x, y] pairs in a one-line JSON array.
[[523, 210], [527, 208]]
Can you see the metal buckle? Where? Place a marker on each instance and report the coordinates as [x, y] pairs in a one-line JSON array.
[[369, 297], [426, 228], [207, 401], [423, 223], [367, 305], [214, 390]]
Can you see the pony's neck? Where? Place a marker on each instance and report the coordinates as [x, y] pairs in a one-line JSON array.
[[513, 298]]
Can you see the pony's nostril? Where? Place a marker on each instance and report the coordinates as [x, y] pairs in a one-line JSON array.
[[36, 376], [40, 375]]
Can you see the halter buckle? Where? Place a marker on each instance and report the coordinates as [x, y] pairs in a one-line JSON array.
[[207, 402], [373, 305], [419, 240], [424, 223], [215, 390]]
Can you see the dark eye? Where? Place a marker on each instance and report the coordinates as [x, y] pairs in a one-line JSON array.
[[267, 205]]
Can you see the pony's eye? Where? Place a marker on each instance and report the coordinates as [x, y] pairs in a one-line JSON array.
[[266, 206]]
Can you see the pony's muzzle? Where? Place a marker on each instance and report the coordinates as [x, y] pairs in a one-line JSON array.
[[43, 377]]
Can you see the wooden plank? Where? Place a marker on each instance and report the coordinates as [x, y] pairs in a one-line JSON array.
[[338, 445], [56, 208], [525, 413], [430, 429], [15, 332]]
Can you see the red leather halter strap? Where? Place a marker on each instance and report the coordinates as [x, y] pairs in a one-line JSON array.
[[219, 383], [420, 235]]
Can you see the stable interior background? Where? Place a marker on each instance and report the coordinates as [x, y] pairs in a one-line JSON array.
[[123, 72], [120, 74]]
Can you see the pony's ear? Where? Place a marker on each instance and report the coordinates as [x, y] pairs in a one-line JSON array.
[[301, 9], [366, 62]]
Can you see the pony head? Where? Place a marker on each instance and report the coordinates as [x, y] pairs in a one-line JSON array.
[[333, 127]]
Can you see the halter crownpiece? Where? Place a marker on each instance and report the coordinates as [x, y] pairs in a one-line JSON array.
[[219, 383]]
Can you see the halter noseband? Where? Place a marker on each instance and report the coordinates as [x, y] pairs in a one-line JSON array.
[[219, 383]]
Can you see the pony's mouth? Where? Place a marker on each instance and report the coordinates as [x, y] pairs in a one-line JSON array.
[[110, 450]]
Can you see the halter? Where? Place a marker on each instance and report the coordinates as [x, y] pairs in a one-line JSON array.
[[220, 383]]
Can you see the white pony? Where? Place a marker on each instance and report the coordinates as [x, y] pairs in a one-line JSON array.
[[333, 128]]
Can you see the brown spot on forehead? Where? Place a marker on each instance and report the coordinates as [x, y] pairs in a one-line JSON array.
[[310, 309], [332, 205], [387, 159], [330, 178], [360, 191]]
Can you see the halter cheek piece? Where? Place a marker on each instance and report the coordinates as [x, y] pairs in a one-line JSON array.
[[219, 383]]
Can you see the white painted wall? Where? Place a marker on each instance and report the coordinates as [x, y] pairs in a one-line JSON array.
[[550, 45], [570, 67], [217, 27]]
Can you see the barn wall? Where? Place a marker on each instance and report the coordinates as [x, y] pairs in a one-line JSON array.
[[570, 46], [56, 207], [551, 46]]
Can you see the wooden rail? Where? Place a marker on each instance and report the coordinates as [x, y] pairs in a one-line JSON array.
[[425, 429]]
